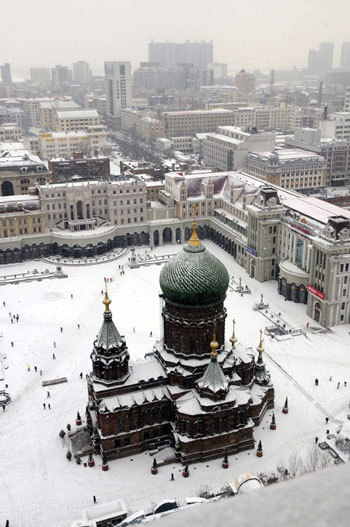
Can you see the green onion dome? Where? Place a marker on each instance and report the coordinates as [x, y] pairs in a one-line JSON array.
[[194, 276]]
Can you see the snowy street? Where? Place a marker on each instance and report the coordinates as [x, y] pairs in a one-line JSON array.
[[34, 473]]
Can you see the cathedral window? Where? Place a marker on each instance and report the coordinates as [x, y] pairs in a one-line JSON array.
[[182, 343], [192, 344], [121, 424]]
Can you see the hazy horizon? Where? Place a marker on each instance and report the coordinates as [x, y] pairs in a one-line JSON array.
[[264, 35]]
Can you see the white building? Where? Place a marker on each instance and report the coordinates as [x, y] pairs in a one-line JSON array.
[[40, 77], [81, 72], [228, 148], [191, 122], [288, 168], [118, 81], [85, 205], [91, 141], [337, 126], [10, 132]]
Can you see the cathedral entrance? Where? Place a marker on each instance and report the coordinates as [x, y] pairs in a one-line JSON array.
[[317, 312]]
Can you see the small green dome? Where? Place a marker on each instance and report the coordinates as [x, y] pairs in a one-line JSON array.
[[194, 277]]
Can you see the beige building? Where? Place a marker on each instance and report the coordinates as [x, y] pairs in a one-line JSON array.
[[91, 141], [245, 82], [192, 122], [85, 205], [10, 132], [68, 120], [288, 168], [49, 109], [142, 124], [20, 216]]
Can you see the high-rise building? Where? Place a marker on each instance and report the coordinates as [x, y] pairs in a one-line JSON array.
[[6, 73], [81, 72], [345, 55], [245, 82], [326, 56], [118, 87], [320, 61], [313, 63], [61, 77], [170, 54], [40, 77]]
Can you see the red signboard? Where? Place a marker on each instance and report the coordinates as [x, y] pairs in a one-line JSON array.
[[315, 292]]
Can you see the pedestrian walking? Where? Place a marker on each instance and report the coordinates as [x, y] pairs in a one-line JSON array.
[[316, 440], [94, 498], [330, 378], [81, 374], [49, 405], [338, 385], [345, 384], [44, 406], [54, 344], [316, 382], [327, 419], [3, 407], [78, 326], [11, 320], [53, 356], [4, 304], [172, 477], [28, 368], [41, 373], [150, 333], [7, 524], [61, 330], [308, 324], [35, 369], [10, 315], [17, 317], [71, 296], [133, 330], [48, 394]]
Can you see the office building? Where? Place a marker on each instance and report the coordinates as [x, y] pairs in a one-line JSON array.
[[76, 119], [81, 72], [91, 141], [6, 76], [288, 168], [320, 61], [227, 149], [10, 132], [170, 54], [21, 216], [192, 122], [40, 77], [142, 124], [118, 82], [61, 77], [245, 82], [345, 56], [336, 153], [337, 126], [92, 167]]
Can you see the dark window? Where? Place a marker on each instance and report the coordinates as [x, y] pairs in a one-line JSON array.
[[116, 443]]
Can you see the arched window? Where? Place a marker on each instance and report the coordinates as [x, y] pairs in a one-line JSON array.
[[193, 344], [121, 424], [80, 210], [182, 343], [71, 212]]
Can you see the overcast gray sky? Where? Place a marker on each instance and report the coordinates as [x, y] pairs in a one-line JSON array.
[[250, 33]]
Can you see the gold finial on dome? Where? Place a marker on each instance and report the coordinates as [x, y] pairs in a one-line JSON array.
[[214, 343], [260, 347], [194, 241], [233, 339], [106, 300]]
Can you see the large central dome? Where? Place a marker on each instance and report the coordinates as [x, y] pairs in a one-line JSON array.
[[194, 276]]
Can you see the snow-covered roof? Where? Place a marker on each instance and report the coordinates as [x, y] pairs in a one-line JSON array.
[[78, 114]]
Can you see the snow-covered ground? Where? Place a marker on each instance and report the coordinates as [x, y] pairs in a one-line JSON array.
[[39, 487]]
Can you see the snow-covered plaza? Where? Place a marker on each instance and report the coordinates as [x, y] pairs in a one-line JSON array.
[[39, 487]]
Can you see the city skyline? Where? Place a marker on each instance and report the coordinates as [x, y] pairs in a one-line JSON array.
[[106, 31]]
